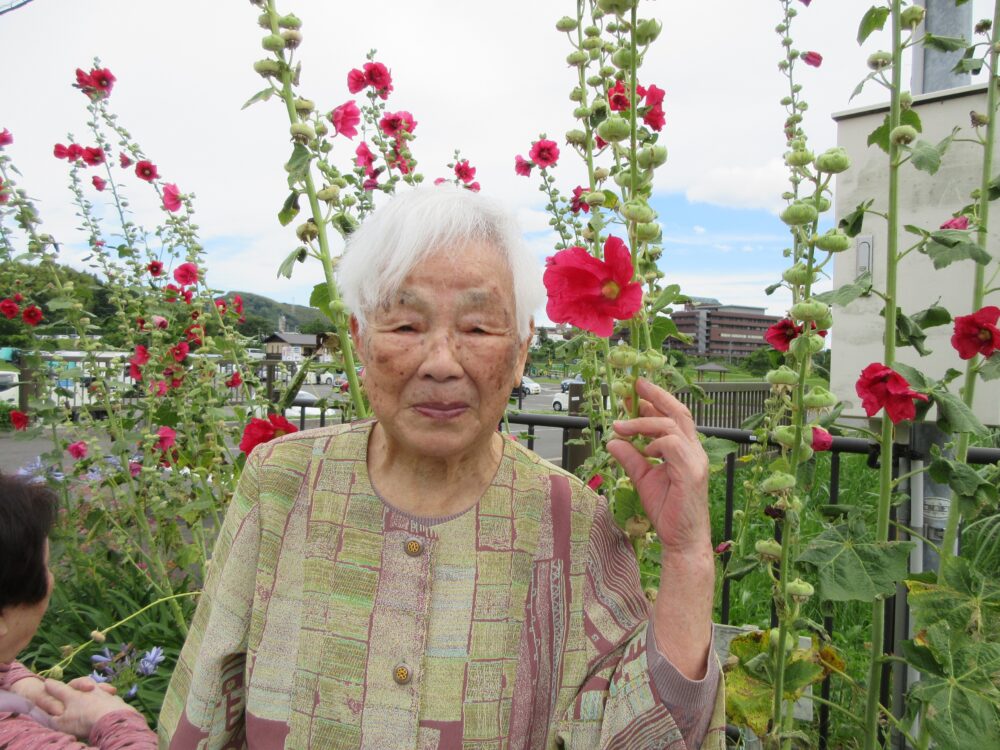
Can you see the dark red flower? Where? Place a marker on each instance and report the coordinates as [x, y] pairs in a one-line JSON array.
[[600, 142], [77, 450], [235, 380], [98, 182], [370, 184], [723, 547], [544, 153], [264, 430], [155, 268], [19, 420], [821, 439], [576, 203], [814, 59], [9, 308], [221, 305], [140, 323], [781, 334], [237, 304], [193, 334], [18, 297], [146, 170], [186, 273], [522, 166], [618, 99], [771, 512], [464, 172], [141, 355], [977, 333], [957, 222], [882, 387], [96, 84], [805, 2], [592, 293], [92, 156], [346, 119], [5, 138], [124, 161], [394, 123], [134, 371], [179, 351], [167, 438], [31, 315]]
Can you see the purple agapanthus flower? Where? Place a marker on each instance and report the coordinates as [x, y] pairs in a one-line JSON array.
[[150, 661]]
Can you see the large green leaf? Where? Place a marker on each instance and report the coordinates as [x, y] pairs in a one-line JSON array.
[[962, 601], [974, 491], [880, 136], [954, 415], [944, 43], [298, 164], [990, 368], [873, 20], [908, 333], [852, 568], [663, 327], [926, 157], [846, 294], [935, 315], [854, 221], [949, 245], [289, 209]]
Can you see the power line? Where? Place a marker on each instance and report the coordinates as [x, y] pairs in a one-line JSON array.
[[13, 5]]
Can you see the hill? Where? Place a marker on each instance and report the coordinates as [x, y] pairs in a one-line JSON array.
[[258, 309]]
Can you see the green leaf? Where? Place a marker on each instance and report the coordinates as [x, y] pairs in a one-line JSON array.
[[289, 209], [610, 200], [962, 601], [661, 328], [852, 223], [667, 297], [800, 674], [880, 136], [60, 303], [969, 64], [954, 415], [627, 504], [935, 315], [717, 449], [848, 293], [285, 269], [851, 569], [922, 658], [950, 245], [260, 96], [873, 20], [974, 492], [908, 333], [320, 297], [990, 368], [994, 188], [944, 43], [298, 164], [860, 87], [926, 157], [913, 376]]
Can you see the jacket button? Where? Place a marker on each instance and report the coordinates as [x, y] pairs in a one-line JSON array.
[[401, 674], [413, 547]]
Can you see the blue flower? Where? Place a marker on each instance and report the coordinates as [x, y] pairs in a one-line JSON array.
[[131, 692], [150, 661], [98, 677]]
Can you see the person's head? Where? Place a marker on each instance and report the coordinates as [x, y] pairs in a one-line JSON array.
[[27, 512], [441, 288]]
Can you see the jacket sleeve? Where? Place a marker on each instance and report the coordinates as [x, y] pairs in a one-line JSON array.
[[205, 703], [633, 697], [114, 731]]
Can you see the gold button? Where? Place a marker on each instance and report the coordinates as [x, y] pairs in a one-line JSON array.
[[401, 674], [413, 547]]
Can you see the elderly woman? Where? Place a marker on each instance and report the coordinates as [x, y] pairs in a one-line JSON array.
[[417, 581], [36, 713]]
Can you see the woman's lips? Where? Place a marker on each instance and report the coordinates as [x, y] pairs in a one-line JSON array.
[[441, 409]]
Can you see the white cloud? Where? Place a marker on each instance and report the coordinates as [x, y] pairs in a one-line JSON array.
[[698, 230], [756, 186]]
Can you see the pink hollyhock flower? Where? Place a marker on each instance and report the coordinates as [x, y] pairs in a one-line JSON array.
[[264, 430], [464, 172], [186, 273], [92, 156], [378, 77], [364, 158], [474, 187], [592, 293], [9, 308], [882, 387], [815, 59], [595, 481], [576, 203], [32, 315], [237, 303], [235, 381], [141, 356], [440, 181], [159, 388], [5, 138], [781, 334], [522, 166], [19, 420], [958, 222], [155, 268], [146, 170], [179, 351], [345, 119], [821, 439], [977, 333], [723, 547], [124, 161], [74, 152], [356, 81], [544, 153], [160, 322], [171, 197], [134, 468], [98, 182], [167, 438], [77, 450], [394, 123], [96, 84], [134, 371], [193, 334]]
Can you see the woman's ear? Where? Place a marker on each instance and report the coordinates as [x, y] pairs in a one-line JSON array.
[[356, 337], [3, 626]]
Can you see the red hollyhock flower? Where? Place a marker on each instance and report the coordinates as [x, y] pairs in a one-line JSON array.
[[159, 388], [74, 152], [193, 334], [78, 449], [19, 420], [654, 96], [98, 182], [814, 59], [18, 297], [544, 153], [356, 80], [31, 315], [618, 99], [60, 151], [171, 197], [92, 156], [237, 303], [221, 305], [186, 273], [522, 166], [264, 430], [577, 204], [5, 138], [781, 334], [345, 119], [977, 333], [9, 308], [821, 439], [168, 436], [134, 371], [141, 356], [364, 158], [655, 118], [155, 268], [96, 84], [160, 322], [475, 187], [464, 172], [882, 387], [600, 142], [235, 381], [595, 481], [124, 161], [377, 76], [958, 222], [394, 123], [592, 293], [3, 193], [179, 351], [146, 170]]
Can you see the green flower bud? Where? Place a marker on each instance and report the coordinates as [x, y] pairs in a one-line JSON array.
[[651, 156], [638, 211], [267, 68], [879, 60], [785, 436], [301, 132], [289, 22], [307, 231], [647, 232], [798, 158], [834, 241], [591, 31], [577, 57], [348, 200], [768, 549], [978, 119], [912, 17], [784, 375], [822, 203], [799, 213], [798, 274], [651, 361], [599, 105], [601, 174], [591, 43], [833, 161], [321, 128], [622, 58], [905, 100], [819, 398], [56, 672], [582, 113], [778, 483], [808, 310], [647, 31], [329, 194], [785, 101], [621, 388], [775, 637], [576, 95], [292, 38], [576, 137], [566, 24], [637, 527], [826, 322], [804, 346], [304, 106], [903, 134], [595, 198], [618, 7], [614, 129], [800, 590], [622, 356], [272, 43], [264, 21], [607, 71], [595, 81]]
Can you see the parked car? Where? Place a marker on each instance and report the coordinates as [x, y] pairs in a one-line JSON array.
[[530, 386], [575, 379], [560, 402], [8, 388]]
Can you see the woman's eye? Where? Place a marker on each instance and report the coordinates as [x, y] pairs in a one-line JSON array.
[[405, 329]]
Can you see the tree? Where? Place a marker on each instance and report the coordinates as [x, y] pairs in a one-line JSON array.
[[759, 361]]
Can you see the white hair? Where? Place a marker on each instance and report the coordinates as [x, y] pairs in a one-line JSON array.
[[423, 221]]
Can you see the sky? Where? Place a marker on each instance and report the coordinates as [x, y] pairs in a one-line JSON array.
[[484, 77]]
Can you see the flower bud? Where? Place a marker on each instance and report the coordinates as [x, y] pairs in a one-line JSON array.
[[879, 60], [769, 550], [647, 232], [292, 38], [576, 95], [799, 213], [595, 198], [905, 100], [775, 637], [601, 174], [329, 194], [56, 672], [576, 137], [651, 361], [348, 201], [903, 134], [267, 68], [647, 31], [97, 636], [785, 101], [826, 322], [833, 241], [304, 106], [800, 590], [614, 129], [819, 398], [798, 158], [623, 58], [272, 43], [607, 71], [623, 356], [566, 24], [290, 21], [778, 483], [599, 105], [621, 388], [798, 274], [785, 436], [978, 119], [833, 161], [582, 113], [264, 21], [307, 231], [784, 375], [804, 346], [651, 156], [637, 526], [808, 310], [301, 132], [912, 16], [591, 31], [595, 81], [321, 128], [591, 43], [618, 7], [638, 211], [577, 57]]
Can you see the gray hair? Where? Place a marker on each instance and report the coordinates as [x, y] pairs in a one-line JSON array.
[[420, 222]]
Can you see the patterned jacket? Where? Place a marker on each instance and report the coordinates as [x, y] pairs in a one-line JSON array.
[[332, 620]]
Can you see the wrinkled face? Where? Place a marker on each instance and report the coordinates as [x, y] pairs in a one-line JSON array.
[[21, 621], [441, 359]]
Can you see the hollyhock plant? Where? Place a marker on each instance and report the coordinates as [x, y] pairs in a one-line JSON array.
[[264, 430], [78, 449], [394, 123], [522, 166], [32, 315], [99, 183], [814, 59], [167, 436], [957, 222], [171, 197], [9, 308], [92, 156], [5, 138], [374, 74], [977, 333], [97, 83], [179, 351], [19, 420], [186, 273], [155, 267], [124, 161], [591, 293], [346, 119], [618, 98], [235, 380], [781, 334], [882, 387], [146, 170], [464, 172], [821, 439], [577, 203], [544, 153]]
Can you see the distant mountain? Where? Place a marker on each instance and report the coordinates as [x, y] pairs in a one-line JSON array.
[[296, 316]]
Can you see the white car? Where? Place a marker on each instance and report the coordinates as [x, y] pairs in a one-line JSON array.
[[530, 386], [560, 402], [8, 388]]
